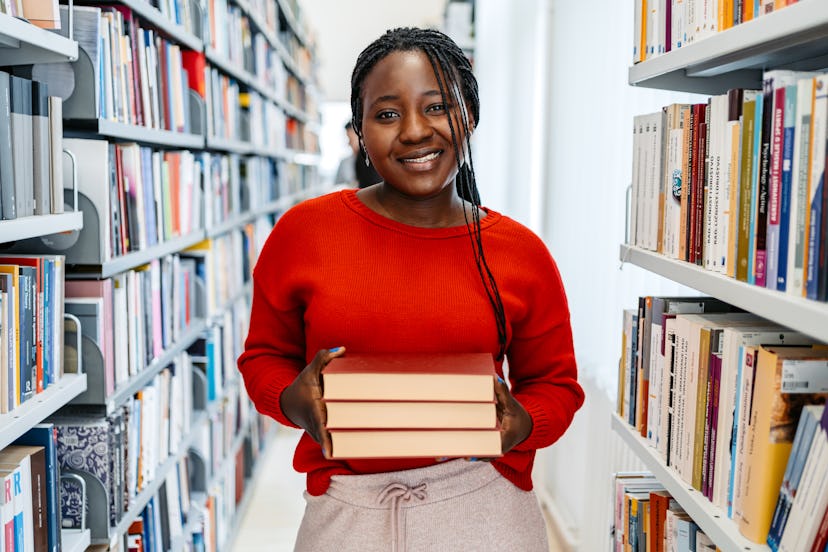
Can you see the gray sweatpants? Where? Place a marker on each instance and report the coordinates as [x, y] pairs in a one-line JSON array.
[[453, 506]]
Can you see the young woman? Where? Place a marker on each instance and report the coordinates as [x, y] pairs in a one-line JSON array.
[[413, 264]]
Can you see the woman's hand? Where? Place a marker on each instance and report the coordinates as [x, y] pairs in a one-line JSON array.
[[302, 402], [515, 422]]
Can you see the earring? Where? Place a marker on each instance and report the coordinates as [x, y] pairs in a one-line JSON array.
[[367, 161], [364, 153]]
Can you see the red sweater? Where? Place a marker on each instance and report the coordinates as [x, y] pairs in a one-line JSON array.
[[334, 273]]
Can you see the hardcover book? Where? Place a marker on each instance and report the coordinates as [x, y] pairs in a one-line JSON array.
[[410, 377], [412, 415], [412, 443]]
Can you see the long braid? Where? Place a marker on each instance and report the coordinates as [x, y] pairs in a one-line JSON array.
[[456, 80]]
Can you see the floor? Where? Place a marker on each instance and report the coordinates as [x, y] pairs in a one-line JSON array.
[[276, 508]]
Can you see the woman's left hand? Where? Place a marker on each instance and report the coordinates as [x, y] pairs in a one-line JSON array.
[[515, 422]]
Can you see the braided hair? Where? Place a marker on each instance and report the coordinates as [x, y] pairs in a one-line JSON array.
[[455, 78]]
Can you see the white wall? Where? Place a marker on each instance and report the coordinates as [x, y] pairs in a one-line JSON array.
[[511, 66], [343, 28], [590, 164]]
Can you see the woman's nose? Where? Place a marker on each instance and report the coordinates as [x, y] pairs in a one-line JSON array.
[[415, 128]]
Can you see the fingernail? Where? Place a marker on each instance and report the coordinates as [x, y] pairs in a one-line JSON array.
[[335, 349], [500, 379], [442, 459], [472, 459]]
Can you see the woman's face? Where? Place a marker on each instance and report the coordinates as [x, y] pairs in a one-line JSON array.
[[404, 126]]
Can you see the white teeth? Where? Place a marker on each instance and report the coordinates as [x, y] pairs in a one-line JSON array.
[[423, 159]]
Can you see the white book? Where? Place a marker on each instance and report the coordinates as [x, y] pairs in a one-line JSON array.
[[799, 186], [56, 153], [795, 528], [733, 340]]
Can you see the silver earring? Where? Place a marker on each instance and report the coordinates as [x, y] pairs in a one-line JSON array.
[[367, 161]]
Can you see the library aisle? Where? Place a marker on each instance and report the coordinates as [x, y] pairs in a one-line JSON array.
[[276, 506]]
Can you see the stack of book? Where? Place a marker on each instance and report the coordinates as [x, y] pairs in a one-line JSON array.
[[411, 405]]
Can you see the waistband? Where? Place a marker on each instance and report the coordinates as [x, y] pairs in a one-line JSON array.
[[444, 481]]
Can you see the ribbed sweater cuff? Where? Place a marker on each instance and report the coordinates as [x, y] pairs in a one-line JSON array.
[[542, 434], [269, 403]]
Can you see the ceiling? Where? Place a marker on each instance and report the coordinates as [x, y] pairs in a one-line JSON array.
[[343, 28]]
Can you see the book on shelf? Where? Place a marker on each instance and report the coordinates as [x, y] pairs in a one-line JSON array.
[[410, 376], [44, 435], [8, 200], [42, 13], [805, 430], [805, 529], [28, 465], [785, 379]]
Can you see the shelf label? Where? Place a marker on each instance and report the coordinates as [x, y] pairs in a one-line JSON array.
[[805, 376]]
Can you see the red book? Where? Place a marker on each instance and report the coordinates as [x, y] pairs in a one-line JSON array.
[[195, 63], [410, 377]]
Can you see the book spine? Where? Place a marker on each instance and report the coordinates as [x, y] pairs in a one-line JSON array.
[[787, 194], [745, 191]]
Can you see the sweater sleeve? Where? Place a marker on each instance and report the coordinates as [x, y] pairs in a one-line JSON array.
[[541, 358], [274, 351]]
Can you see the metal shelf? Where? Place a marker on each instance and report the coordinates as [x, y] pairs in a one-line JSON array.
[[172, 30], [22, 43], [794, 37], [135, 259], [303, 157], [230, 224], [797, 313], [38, 408], [709, 518], [39, 225], [294, 24], [75, 540], [161, 473], [139, 381], [229, 145], [134, 133]]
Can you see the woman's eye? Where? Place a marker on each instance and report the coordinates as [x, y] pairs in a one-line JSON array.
[[437, 107], [386, 115]]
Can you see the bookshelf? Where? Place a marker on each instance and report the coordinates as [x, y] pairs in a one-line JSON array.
[[710, 519], [276, 168], [797, 313], [41, 406], [42, 225], [795, 37], [22, 43]]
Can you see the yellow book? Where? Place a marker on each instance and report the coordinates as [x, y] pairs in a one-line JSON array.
[[774, 416], [14, 270]]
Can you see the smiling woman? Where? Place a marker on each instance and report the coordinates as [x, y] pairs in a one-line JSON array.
[[401, 267]]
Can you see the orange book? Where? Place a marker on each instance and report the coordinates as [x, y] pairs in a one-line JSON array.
[[42, 13], [410, 377]]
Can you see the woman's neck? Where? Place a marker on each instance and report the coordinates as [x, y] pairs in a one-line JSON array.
[[441, 211]]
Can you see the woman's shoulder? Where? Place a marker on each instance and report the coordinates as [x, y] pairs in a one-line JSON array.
[[314, 210], [516, 234]]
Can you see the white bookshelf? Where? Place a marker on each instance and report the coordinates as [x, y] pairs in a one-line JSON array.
[[795, 37], [175, 32], [804, 315], [39, 225], [136, 133], [72, 540], [22, 43], [708, 517], [41, 406]]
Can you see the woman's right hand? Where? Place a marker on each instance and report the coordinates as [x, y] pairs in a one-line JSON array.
[[302, 402]]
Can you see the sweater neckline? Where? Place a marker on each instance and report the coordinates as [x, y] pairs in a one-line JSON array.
[[350, 199]]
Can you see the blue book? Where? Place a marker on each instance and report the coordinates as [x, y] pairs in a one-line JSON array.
[[45, 435], [789, 125]]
